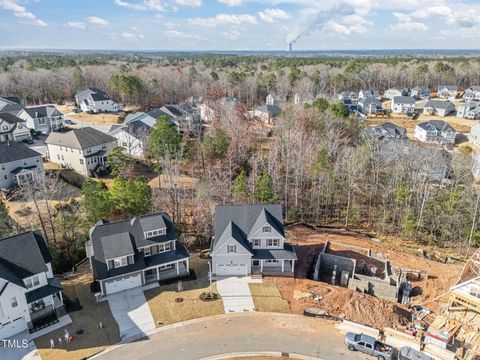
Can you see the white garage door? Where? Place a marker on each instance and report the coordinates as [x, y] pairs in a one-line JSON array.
[[231, 269], [12, 327], [123, 284]]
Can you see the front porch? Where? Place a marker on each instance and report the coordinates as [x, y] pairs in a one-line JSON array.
[[45, 312], [276, 267], [167, 271]]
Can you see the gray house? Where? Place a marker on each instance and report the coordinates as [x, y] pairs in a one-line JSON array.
[[250, 239], [435, 132], [44, 118], [12, 128], [420, 92], [403, 105], [19, 165], [447, 92], [472, 93], [387, 130], [135, 252], [370, 105], [438, 107]]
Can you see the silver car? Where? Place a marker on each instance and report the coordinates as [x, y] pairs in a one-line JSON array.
[[368, 345]]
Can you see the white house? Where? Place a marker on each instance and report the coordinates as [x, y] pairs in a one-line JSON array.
[[395, 91], [83, 150], [364, 94], [370, 105], [447, 92], [472, 93], [420, 92], [403, 105], [438, 107], [435, 132], [43, 119], [28, 290], [348, 95], [96, 101], [474, 136], [133, 137], [469, 110], [19, 165], [135, 252], [267, 113], [275, 99], [12, 128], [250, 239]]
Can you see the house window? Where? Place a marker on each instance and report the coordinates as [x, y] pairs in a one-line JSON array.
[[81, 161], [5, 127], [31, 282], [153, 233], [231, 249], [271, 261], [104, 146], [147, 251], [14, 302], [5, 177], [165, 267], [256, 242], [89, 150], [266, 229], [119, 262], [273, 242], [164, 247]]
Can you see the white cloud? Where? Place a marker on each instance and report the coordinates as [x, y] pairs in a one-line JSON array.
[[21, 11], [271, 15], [175, 34], [131, 36], [409, 26], [143, 6], [224, 19], [231, 2], [195, 3], [94, 20], [232, 34], [402, 17], [77, 25]]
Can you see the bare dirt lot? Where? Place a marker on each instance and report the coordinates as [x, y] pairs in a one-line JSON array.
[[355, 306], [96, 119]]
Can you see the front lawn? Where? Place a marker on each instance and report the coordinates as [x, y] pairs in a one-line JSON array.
[[166, 310], [267, 298]]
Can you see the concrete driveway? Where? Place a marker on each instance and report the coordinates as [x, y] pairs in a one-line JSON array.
[[20, 346], [239, 333], [235, 293], [132, 313]]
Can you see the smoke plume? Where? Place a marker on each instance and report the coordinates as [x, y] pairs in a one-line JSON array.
[[317, 21]]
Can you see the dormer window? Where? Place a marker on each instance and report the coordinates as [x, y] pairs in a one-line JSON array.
[[267, 229], [153, 233], [119, 262], [31, 282]]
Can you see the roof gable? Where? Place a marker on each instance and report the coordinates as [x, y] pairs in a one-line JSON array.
[[80, 138]]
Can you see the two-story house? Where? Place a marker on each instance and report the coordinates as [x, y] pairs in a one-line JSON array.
[[43, 119], [364, 94], [472, 93], [132, 253], [133, 137], [84, 150], [394, 92], [96, 101], [12, 128], [19, 165], [267, 113], [28, 290], [348, 95], [439, 107], [420, 92], [370, 105], [435, 132], [469, 110], [474, 135], [447, 92], [386, 131], [250, 239], [403, 105]]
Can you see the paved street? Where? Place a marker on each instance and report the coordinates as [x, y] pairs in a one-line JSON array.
[[249, 332]]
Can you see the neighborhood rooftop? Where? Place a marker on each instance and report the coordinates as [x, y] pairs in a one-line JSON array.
[[80, 138], [13, 151]]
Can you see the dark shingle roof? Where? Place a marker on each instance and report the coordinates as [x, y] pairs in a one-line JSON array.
[[42, 111], [23, 255], [15, 151], [403, 100], [273, 110], [10, 118], [439, 104], [52, 287], [99, 97], [80, 138], [438, 125], [287, 253]]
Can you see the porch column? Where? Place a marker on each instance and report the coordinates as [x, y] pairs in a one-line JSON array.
[[293, 266], [188, 264], [178, 268], [61, 296], [261, 265], [283, 265], [158, 273]]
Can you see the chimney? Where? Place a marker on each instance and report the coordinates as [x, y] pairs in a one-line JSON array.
[[290, 47]]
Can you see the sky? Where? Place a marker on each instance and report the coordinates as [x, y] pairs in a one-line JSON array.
[[239, 24]]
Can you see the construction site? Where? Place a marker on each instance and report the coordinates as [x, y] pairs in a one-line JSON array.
[[411, 297]]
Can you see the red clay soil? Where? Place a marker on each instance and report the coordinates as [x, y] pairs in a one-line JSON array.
[[350, 304]]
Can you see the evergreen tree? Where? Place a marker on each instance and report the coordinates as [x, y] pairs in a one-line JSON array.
[[264, 189]]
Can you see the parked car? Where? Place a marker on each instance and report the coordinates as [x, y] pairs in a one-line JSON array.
[[368, 345], [28, 141], [407, 353], [69, 122]]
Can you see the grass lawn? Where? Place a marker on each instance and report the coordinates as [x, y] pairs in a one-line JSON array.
[[162, 299], [93, 339], [267, 298]]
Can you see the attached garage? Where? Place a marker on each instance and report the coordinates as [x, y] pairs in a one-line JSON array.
[[121, 284], [13, 327], [231, 269]]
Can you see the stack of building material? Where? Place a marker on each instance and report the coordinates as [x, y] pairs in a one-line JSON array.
[[442, 331], [399, 339]]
